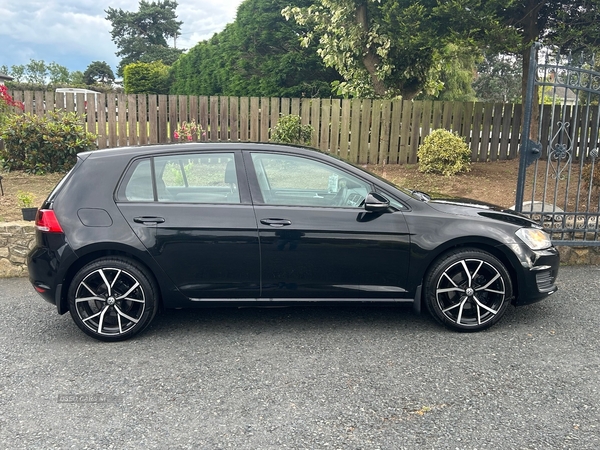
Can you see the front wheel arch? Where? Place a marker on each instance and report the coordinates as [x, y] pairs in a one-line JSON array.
[[468, 288], [490, 247]]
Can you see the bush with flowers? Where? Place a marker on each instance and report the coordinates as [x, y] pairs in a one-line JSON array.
[[8, 105], [188, 132]]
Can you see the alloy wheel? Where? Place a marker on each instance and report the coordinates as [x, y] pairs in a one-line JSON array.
[[470, 292], [110, 301]]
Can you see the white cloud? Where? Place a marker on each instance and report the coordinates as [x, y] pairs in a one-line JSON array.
[[74, 33]]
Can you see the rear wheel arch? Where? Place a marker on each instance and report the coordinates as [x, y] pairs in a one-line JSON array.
[[99, 254], [113, 298]]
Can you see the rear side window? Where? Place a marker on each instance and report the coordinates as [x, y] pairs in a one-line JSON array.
[[197, 178], [187, 178], [139, 186]]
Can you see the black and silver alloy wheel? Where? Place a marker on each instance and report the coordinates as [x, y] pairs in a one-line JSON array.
[[112, 299], [468, 290]]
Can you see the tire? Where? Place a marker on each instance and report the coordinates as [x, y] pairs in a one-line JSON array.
[[112, 299], [468, 290]]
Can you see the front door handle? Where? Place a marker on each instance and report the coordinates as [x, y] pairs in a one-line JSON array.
[[276, 222], [148, 220]]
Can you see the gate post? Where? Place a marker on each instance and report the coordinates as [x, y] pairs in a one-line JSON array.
[[530, 150]]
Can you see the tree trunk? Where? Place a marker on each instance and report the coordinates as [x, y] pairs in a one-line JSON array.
[[370, 59]]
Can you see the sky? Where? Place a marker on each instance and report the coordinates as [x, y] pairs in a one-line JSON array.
[[73, 33]]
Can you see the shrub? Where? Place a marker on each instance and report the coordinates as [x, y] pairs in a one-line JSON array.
[[444, 153], [39, 144], [289, 130], [146, 78]]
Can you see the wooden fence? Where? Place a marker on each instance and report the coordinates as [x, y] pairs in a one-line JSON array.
[[359, 130]]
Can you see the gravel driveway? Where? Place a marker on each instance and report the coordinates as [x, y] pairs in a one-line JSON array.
[[355, 377]]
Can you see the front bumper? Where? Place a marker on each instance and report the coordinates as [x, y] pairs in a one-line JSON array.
[[537, 276]]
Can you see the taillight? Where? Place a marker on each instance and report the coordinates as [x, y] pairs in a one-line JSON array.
[[46, 221]]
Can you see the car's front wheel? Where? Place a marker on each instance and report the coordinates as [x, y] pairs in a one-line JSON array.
[[112, 299], [468, 290]]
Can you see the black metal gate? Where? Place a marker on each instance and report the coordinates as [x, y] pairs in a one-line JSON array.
[[559, 178]]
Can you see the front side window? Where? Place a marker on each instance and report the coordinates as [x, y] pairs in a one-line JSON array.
[[298, 181], [187, 178]]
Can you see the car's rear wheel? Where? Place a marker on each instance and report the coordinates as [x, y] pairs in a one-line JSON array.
[[112, 299], [468, 290]]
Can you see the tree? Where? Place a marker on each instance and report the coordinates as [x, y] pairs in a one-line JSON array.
[[58, 74], [499, 79], [385, 48], [566, 24], [146, 78], [98, 72], [142, 36], [259, 54], [18, 73], [36, 72], [76, 78]]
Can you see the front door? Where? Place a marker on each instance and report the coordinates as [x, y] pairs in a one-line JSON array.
[[317, 240]]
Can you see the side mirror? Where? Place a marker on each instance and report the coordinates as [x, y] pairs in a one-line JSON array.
[[376, 202]]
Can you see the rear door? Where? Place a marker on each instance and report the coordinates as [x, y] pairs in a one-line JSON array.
[[197, 222]]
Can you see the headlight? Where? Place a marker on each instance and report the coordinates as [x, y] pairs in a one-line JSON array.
[[535, 238]]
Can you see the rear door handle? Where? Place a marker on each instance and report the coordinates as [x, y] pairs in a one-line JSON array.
[[276, 222], [148, 220]]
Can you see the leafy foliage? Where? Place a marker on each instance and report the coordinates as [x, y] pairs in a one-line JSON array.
[[25, 199], [455, 70], [40, 144], [445, 153], [289, 130], [98, 72], [146, 78], [259, 54], [141, 36]]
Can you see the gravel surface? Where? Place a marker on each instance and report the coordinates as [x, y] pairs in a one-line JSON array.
[[343, 377]]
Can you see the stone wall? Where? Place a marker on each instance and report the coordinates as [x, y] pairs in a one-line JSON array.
[[17, 238]]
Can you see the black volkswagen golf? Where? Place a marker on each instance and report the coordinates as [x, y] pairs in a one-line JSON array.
[[130, 231]]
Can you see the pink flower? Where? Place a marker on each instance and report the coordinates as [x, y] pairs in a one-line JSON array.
[[189, 138], [204, 134], [176, 135]]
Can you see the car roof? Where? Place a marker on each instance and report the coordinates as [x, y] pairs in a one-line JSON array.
[[147, 150]]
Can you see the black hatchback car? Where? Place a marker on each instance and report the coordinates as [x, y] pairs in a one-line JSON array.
[[130, 231]]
